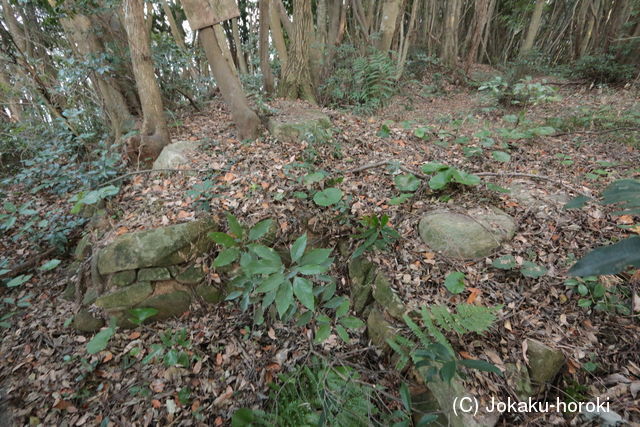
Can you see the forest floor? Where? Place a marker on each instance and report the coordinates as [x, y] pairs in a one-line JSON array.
[[49, 378]]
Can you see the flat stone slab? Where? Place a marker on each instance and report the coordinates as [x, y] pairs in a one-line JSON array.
[[294, 121], [476, 233], [159, 247]]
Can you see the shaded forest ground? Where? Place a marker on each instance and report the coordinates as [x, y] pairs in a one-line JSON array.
[[49, 377]]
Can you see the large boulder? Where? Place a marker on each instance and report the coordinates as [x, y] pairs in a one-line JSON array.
[[175, 154], [475, 234], [296, 121], [159, 247]]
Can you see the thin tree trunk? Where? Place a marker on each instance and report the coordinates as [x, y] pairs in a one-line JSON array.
[[407, 40], [265, 65], [154, 135], [534, 26], [277, 36], [450, 29], [242, 63], [480, 20], [178, 35], [390, 12], [284, 17], [247, 122]]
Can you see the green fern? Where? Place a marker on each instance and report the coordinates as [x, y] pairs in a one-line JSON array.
[[469, 318]]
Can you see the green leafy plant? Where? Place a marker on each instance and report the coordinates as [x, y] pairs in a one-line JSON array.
[[376, 234], [443, 175], [407, 184], [433, 351], [594, 294], [523, 92], [527, 268], [454, 282], [92, 197], [327, 197], [602, 68], [138, 315], [100, 340], [173, 349]]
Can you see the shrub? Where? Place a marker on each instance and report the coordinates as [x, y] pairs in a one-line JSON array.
[[601, 69], [523, 92]]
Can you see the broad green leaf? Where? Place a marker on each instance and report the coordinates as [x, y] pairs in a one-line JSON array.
[[342, 333], [316, 256], [171, 358], [156, 351], [271, 283], [284, 297], [433, 167], [454, 282], [139, 315], [323, 332], [407, 182], [226, 257], [405, 396], [18, 280], [464, 178], [501, 156], [298, 247], [610, 259], [311, 269], [505, 262], [100, 340], [400, 199], [577, 202], [313, 178], [260, 229], [472, 151], [351, 322], [262, 266], [448, 371], [222, 239], [304, 318], [533, 270], [327, 197], [303, 290], [266, 253], [234, 226], [440, 180]]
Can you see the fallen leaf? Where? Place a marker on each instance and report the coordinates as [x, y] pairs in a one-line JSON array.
[[134, 335]]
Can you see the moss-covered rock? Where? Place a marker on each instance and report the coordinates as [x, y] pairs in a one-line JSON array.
[[384, 295], [210, 293], [465, 236], [175, 154], [84, 321], [379, 329], [69, 292], [153, 274], [169, 304], [361, 273], [544, 362], [192, 275], [518, 378], [297, 127], [125, 297], [159, 247], [123, 278], [83, 248]]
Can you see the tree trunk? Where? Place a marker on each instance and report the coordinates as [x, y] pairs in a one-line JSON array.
[[242, 63], [481, 13], [390, 12], [534, 26], [176, 32], [265, 65], [450, 37], [407, 40], [154, 135], [247, 122], [277, 36], [296, 77]]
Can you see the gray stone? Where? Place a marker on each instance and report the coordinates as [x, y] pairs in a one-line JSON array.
[[90, 295], [210, 293], [123, 278], [125, 297], [169, 304], [191, 276], [475, 234], [527, 194], [159, 247], [83, 248], [84, 321], [384, 295], [296, 122], [518, 378], [69, 292], [175, 154], [379, 329], [361, 273], [153, 274], [544, 362]]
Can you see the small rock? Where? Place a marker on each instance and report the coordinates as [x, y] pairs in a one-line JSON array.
[[384, 295], [83, 248], [518, 378], [69, 292], [169, 304], [191, 276], [379, 329], [174, 154], [210, 293], [296, 127], [125, 297], [153, 274], [123, 278], [544, 362], [475, 234], [84, 321]]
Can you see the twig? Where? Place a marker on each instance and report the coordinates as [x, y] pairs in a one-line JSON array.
[[142, 171]]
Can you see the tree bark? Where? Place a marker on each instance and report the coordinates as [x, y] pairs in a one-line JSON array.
[[534, 26], [481, 14], [402, 57], [450, 37], [277, 36], [390, 12], [154, 135], [247, 122], [242, 63], [265, 65], [296, 76]]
